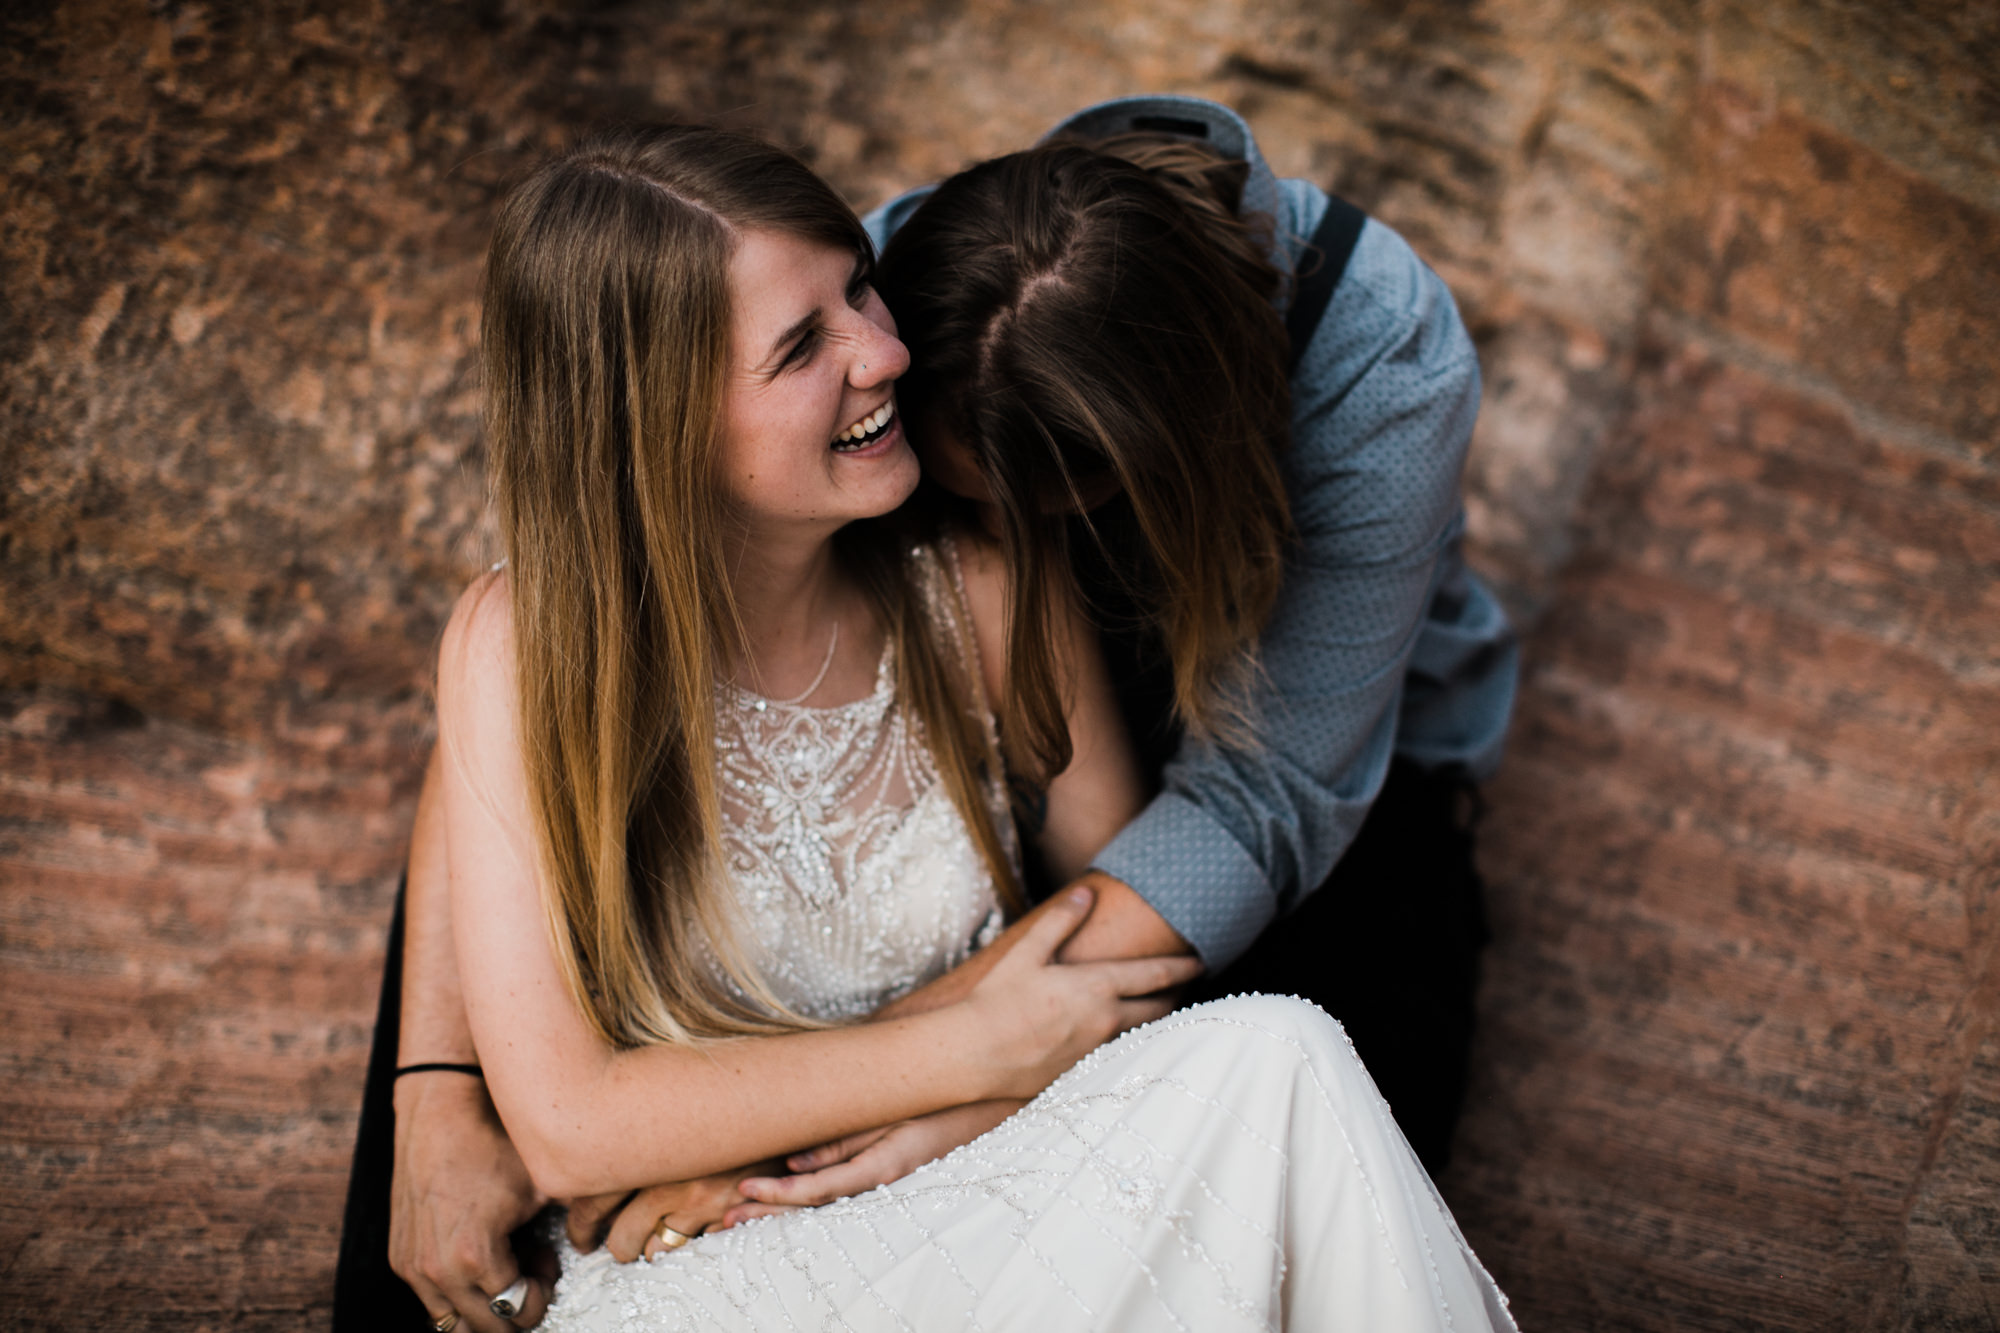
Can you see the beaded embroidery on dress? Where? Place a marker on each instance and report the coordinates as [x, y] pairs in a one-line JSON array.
[[1229, 1167], [856, 881]]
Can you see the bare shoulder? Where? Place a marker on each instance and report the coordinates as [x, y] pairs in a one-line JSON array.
[[477, 652], [983, 567]]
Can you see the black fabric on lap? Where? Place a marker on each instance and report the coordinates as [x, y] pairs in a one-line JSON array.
[[1390, 945], [367, 1294]]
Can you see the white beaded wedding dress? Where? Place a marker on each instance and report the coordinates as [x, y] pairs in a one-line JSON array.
[[1228, 1167]]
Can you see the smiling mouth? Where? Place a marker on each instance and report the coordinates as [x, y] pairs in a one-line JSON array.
[[865, 431]]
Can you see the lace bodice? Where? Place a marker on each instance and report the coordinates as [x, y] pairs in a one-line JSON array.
[[1230, 1167], [856, 879]]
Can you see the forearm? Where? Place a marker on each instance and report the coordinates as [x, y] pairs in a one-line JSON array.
[[433, 1026], [1121, 924], [588, 1117], [733, 1102]]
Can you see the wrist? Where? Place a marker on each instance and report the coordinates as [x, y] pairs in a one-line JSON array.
[[1122, 924], [439, 1087], [971, 1056]]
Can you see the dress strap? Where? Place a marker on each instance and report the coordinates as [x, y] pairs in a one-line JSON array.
[[967, 638], [941, 580]]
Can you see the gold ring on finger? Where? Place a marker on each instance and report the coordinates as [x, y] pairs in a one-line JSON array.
[[669, 1238], [446, 1324]]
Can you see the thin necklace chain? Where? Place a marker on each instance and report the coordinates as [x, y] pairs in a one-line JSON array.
[[831, 645]]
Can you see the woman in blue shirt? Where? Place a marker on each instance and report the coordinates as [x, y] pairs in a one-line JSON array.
[[1385, 669]]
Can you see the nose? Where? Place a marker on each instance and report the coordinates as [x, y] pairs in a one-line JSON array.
[[880, 359]]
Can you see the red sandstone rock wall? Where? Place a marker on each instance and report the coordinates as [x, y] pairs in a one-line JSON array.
[[1732, 268]]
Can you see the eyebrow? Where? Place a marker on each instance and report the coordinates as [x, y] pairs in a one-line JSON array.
[[811, 317]]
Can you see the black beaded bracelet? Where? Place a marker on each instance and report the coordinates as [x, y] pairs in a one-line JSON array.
[[473, 1070]]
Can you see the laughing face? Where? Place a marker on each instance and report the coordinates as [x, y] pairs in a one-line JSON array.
[[811, 439]]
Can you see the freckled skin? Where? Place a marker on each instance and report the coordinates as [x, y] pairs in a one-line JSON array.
[[784, 405]]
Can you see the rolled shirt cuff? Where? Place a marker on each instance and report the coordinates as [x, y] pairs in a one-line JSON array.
[[1194, 874]]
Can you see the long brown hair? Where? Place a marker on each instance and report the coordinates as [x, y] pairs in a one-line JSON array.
[[606, 344], [1088, 318]]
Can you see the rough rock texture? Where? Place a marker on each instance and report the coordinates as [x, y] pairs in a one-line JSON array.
[[1732, 268]]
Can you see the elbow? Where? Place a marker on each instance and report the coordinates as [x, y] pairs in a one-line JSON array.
[[563, 1162], [545, 1138], [556, 1173]]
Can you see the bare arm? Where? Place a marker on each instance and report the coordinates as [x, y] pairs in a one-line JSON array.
[[1088, 802], [588, 1118], [433, 1028], [1099, 793], [459, 1187]]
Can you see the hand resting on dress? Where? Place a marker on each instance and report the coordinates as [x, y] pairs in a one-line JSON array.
[[860, 1162], [1033, 1015], [628, 1224]]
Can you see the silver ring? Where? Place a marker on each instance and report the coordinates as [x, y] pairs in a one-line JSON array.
[[509, 1302]]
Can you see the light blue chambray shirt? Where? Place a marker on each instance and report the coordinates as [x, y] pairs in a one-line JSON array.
[[1382, 641]]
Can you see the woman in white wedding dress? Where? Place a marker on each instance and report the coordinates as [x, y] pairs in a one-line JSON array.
[[721, 777]]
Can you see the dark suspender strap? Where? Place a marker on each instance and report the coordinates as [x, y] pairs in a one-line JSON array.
[[1333, 240]]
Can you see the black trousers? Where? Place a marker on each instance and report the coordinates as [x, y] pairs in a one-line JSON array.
[[1389, 945], [367, 1294]]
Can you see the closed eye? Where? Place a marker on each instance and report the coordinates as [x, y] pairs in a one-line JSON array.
[[801, 351]]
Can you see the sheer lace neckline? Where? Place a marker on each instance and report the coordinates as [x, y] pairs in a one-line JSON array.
[[885, 679], [855, 876]]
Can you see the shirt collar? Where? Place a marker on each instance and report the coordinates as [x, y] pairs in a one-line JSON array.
[[1192, 117]]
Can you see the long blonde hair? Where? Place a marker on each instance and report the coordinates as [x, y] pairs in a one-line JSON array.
[[606, 342]]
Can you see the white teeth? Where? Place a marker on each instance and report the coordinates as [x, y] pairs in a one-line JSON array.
[[874, 421]]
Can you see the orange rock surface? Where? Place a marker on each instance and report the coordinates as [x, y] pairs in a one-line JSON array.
[[1734, 270]]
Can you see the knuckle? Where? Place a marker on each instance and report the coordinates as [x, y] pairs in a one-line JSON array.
[[464, 1259]]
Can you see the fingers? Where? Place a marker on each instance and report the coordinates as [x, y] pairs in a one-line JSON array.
[[840, 1150], [589, 1217], [543, 1269], [1135, 1013], [535, 1304], [472, 1298], [743, 1212], [409, 1264], [435, 1305], [635, 1231], [1055, 922], [817, 1187], [689, 1207], [1147, 976], [464, 1276]]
